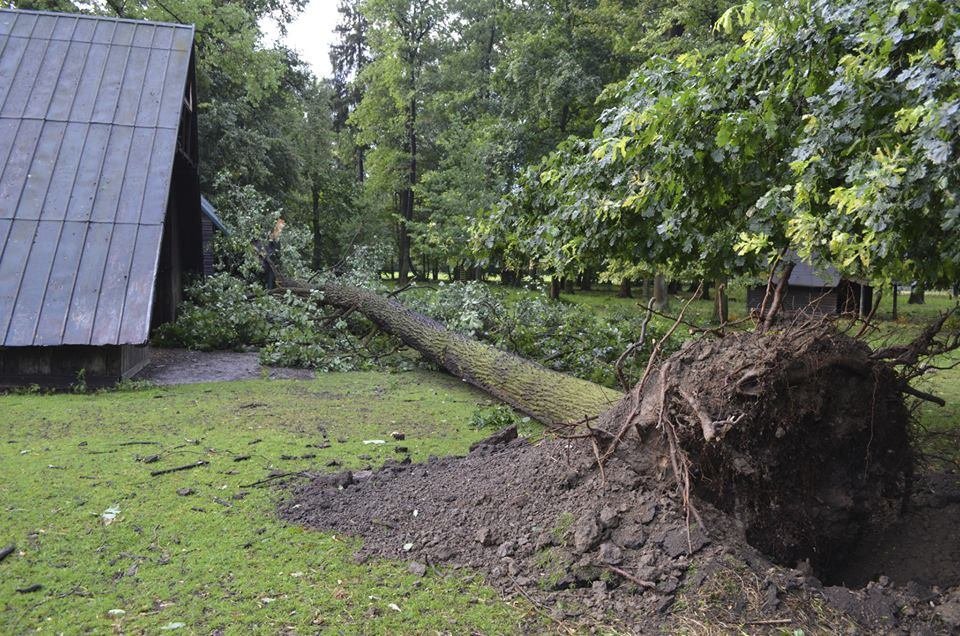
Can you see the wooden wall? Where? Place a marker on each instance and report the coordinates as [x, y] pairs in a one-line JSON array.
[[60, 367]]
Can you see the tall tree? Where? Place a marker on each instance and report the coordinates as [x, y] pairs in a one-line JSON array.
[[349, 56], [404, 38], [831, 128]]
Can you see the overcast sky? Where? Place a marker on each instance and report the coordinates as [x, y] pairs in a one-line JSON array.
[[311, 34]]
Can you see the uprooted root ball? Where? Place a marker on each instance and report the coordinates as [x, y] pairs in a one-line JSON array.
[[799, 434]]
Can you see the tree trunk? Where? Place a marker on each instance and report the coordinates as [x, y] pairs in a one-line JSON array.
[[404, 247], [625, 290], [568, 285], [551, 397], [661, 300], [896, 292], [317, 259], [554, 290], [705, 289], [586, 280], [916, 295], [407, 196]]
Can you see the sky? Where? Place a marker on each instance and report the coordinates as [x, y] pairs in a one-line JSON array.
[[311, 34]]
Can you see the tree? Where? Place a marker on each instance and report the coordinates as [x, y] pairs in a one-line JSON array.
[[403, 36], [829, 128], [349, 56], [731, 429]]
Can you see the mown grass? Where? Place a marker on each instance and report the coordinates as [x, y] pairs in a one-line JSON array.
[[219, 558]]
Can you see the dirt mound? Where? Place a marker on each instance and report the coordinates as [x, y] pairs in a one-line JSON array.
[[794, 442], [540, 521]]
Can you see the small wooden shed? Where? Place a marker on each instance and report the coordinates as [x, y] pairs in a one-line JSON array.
[[817, 291], [100, 216]]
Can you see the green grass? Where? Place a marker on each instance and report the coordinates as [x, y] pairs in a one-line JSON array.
[[219, 558]]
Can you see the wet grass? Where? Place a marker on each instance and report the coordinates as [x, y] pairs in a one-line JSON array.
[[202, 550], [218, 558]]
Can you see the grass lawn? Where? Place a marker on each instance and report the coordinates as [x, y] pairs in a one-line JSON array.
[[218, 558], [202, 551]]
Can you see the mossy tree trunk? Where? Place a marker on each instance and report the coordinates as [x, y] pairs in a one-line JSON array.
[[551, 397]]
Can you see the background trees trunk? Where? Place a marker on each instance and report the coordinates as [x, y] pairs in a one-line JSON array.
[[661, 300]]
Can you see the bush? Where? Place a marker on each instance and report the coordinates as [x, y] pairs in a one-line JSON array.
[[562, 336], [223, 312]]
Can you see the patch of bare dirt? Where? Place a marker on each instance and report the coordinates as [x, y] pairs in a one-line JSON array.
[[182, 366], [541, 522]]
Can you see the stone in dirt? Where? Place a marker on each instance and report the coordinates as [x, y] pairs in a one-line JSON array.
[[484, 536], [586, 533], [417, 569]]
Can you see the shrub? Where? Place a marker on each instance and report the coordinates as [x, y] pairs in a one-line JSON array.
[[562, 336], [224, 312]]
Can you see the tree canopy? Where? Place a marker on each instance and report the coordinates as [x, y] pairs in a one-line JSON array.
[[829, 127]]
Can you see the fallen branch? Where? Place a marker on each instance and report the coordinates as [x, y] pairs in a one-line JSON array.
[[177, 469], [271, 478], [7, 551]]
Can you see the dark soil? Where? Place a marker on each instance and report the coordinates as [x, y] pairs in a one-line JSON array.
[[182, 366], [921, 545], [539, 520], [799, 461]]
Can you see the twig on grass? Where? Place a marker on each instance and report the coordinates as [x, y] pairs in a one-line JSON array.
[[271, 478], [771, 621], [7, 551], [165, 471]]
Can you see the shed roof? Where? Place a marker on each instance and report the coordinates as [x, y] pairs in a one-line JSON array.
[[806, 275], [89, 113]]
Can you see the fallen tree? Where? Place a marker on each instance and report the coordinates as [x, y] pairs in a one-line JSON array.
[[800, 433]]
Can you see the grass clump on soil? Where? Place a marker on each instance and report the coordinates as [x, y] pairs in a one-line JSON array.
[[202, 547]]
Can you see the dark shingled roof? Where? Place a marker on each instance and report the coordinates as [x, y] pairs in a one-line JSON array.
[[89, 113]]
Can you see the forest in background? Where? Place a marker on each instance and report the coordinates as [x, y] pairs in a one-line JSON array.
[[583, 140]]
